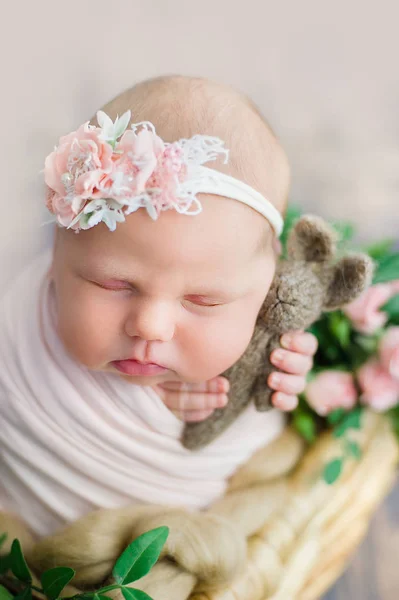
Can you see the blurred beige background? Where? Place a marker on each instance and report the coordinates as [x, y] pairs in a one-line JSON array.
[[324, 73]]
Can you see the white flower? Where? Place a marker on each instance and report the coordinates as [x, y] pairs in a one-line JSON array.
[[112, 217], [110, 131], [102, 209], [141, 201]]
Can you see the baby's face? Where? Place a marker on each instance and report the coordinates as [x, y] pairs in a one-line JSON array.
[[182, 292]]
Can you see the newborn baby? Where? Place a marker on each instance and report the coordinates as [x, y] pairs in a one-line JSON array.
[[112, 338]]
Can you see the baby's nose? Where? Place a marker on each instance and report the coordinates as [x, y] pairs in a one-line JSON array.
[[151, 320]]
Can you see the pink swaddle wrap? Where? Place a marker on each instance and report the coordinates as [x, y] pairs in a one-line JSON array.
[[73, 440]]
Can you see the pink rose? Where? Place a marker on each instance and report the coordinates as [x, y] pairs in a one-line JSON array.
[[364, 312], [87, 186], [76, 166], [389, 352], [331, 390], [137, 161], [380, 390]]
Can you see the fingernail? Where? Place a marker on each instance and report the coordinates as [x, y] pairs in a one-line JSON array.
[[276, 401], [223, 385], [286, 341], [222, 400], [275, 379], [291, 404], [277, 356]]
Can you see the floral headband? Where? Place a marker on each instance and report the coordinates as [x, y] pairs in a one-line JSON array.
[[93, 177]]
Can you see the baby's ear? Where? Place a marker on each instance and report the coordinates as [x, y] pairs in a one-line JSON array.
[[311, 240], [350, 277]]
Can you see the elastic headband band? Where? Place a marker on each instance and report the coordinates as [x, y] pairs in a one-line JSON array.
[[224, 185]]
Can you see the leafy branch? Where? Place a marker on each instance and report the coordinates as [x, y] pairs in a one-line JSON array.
[[135, 562]]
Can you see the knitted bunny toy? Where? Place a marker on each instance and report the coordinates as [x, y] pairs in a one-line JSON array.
[[309, 282]]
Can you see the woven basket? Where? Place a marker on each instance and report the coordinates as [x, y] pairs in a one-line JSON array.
[[304, 550]]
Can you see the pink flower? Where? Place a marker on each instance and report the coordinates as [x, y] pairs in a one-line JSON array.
[[170, 171], [331, 390], [365, 312], [62, 209], [76, 166], [389, 352], [87, 186], [140, 152], [380, 390], [91, 177]]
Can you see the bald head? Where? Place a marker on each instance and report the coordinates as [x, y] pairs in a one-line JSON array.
[[181, 107]]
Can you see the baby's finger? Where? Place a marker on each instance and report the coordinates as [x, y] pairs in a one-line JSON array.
[[291, 362], [187, 401], [300, 341], [215, 385], [191, 416], [284, 402], [288, 384]]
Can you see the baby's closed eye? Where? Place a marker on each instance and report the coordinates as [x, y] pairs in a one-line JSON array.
[[196, 300], [202, 301]]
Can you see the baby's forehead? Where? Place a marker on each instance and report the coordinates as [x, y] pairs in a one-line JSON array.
[[227, 234]]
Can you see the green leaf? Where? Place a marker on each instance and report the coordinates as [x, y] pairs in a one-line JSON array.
[[332, 470], [18, 564], [350, 421], [393, 415], [380, 249], [368, 343], [345, 230], [335, 416], [305, 424], [292, 215], [140, 556], [5, 563], [132, 594], [121, 123], [353, 449], [26, 594], [387, 268], [5, 594], [332, 353], [54, 581], [340, 327], [3, 538], [392, 306]]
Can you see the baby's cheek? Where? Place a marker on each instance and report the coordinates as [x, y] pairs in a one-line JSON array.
[[86, 334], [216, 347], [237, 339]]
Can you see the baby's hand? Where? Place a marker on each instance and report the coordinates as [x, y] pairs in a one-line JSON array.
[[296, 361], [194, 401]]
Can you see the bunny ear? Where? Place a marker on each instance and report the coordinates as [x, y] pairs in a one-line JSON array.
[[311, 240], [350, 277]]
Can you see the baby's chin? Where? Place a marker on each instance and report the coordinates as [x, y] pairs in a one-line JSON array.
[[148, 381]]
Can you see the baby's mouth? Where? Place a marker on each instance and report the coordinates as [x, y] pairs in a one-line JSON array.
[[134, 367]]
